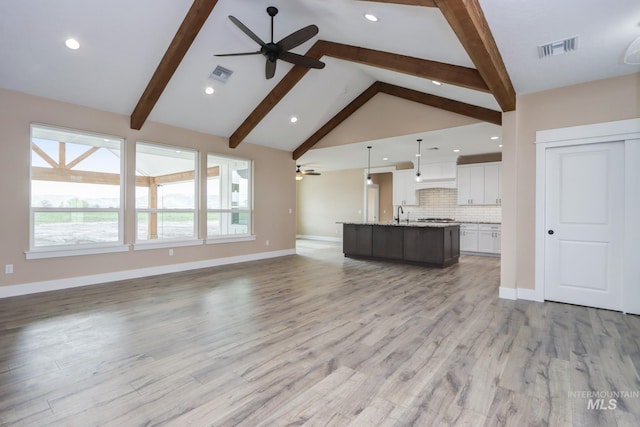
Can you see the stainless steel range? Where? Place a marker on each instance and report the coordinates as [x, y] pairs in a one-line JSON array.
[[435, 220]]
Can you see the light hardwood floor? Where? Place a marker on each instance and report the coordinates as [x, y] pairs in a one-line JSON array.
[[313, 339]]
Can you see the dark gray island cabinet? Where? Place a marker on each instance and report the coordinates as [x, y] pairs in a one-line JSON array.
[[432, 244]]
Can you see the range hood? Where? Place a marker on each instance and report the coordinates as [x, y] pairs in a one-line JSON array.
[[438, 175], [437, 183]]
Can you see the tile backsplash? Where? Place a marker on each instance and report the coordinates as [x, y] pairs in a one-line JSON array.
[[442, 203]]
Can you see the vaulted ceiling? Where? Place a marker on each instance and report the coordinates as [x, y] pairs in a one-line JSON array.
[[465, 18], [152, 59]]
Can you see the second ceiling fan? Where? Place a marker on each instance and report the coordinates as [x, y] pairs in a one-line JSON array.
[[280, 50]]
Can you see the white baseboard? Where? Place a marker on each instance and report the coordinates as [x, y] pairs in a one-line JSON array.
[[508, 293], [529, 295], [520, 293], [74, 282], [321, 238]]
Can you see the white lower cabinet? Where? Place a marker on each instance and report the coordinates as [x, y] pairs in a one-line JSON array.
[[469, 237], [481, 238]]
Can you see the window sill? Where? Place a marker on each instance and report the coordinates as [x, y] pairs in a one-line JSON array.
[[58, 253], [143, 246], [229, 239]]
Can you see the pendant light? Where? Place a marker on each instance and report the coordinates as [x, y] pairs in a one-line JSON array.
[[418, 156], [369, 180]]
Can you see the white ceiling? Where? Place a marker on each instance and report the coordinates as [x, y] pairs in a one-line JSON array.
[[122, 42], [436, 146]]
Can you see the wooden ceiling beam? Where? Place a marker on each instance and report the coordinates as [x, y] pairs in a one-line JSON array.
[[424, 68], [347, 111], [446, 73], [427, 3], [184, 37], [457, 107], [277, 93], [468, 22], [469, 110]]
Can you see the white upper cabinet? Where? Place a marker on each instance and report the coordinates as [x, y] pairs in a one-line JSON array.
[[471, 185], [404, 188], [480, 184], [493, 184]]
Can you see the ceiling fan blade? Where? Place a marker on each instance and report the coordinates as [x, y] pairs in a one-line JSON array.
[[247, 31], [270, 69], [239, 54], [298, 37], [304, 61]]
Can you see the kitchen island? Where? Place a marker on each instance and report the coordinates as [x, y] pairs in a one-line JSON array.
[[431, 244]]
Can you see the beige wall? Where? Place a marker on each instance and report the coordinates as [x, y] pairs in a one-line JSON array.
[[329, 198], [588, 103], [274, 191], [385, 195], [387, 116]]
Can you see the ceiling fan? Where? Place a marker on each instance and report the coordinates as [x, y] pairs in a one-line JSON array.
[[280, 50], [301, 173]]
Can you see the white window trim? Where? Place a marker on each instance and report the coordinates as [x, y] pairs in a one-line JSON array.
[[76, 249], [51, 252], [167, 243], [230, 238]]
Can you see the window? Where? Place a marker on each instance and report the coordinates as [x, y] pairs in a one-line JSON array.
[[228, 196], [165, 193], [76, 189]]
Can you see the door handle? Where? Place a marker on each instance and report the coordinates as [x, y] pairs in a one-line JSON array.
[[550, 231]]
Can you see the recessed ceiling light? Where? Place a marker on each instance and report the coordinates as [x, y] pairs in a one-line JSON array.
[[293, 119], [435, 82], [500, 145], [72, 44], [456, 150], [209, 90], [370, 17], [495, 137], [418, 155], [385, 158]]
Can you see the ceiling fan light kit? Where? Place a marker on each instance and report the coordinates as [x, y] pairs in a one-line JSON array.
[[280, 50], [301, 173]]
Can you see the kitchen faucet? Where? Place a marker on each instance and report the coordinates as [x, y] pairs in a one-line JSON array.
[[399, 212]]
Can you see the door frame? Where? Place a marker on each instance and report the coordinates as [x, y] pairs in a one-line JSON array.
[[627, 131], [375, 189], [365, 203]]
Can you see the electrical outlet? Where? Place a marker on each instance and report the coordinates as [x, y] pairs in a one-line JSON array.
[[170, 252], [267, 243], [290, 211], [8, 269]]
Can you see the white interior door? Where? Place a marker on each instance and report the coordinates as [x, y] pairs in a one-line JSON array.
[[373, 202], [584, 224]]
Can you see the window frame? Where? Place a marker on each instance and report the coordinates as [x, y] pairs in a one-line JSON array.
[[177, 241], [52, 251], [227, 238]]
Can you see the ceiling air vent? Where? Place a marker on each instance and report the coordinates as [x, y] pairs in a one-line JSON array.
[[221, 74], [558, 48]]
